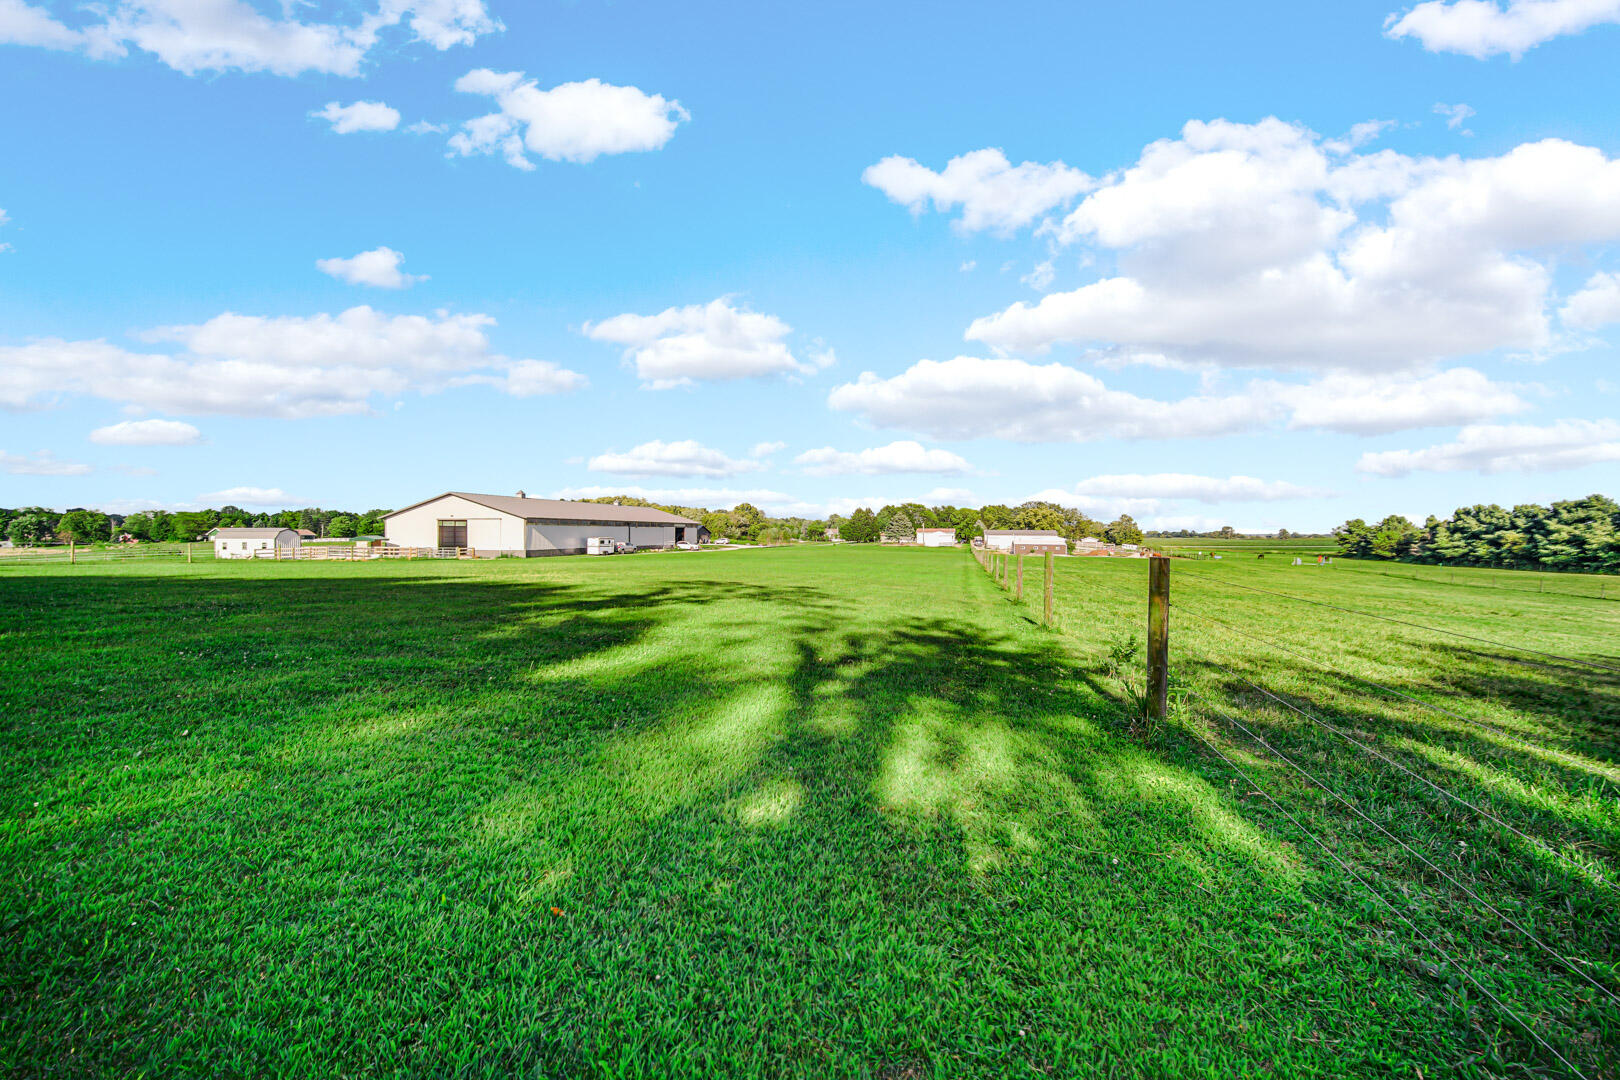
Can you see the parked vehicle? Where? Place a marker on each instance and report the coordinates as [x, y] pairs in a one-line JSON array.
[[602, 545], [685, 545]]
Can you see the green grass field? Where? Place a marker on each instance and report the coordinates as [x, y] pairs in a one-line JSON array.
[[789, 812], [1245, 545]]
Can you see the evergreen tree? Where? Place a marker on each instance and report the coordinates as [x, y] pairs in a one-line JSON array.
[[900, 529], [861, 528]]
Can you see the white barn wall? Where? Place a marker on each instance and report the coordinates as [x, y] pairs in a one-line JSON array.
[[225, 548], [487, 529], [558, 536], [571, 535], [496, 531]]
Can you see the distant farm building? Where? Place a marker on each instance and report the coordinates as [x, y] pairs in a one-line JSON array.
[[493, 525], [936, 537], [243, 543], [1026, 541]]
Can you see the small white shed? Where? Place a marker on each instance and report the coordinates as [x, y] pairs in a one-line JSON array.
[[936, 537], [240, 543]]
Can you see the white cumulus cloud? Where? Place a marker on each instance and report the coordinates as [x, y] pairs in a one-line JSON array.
[[1456, 115], [1000, 397], [716, 340], [25, 24], [577, 121], [193, 36], [360, 116], [991, 192], [687, 457], [1483, 28], [248, 496], [1497, 448], [1596, 304], [897, 457], [40, 463], [532, 378], [1259, 245], [1208, 489], [973, 397], [147, 433], [378, 267], [287, 366], [1375, 404]]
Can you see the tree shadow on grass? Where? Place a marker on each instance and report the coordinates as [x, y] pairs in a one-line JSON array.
[[701, 827]]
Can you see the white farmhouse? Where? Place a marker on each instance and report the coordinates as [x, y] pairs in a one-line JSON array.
[[241, 543], [518, 525], [936, 537]]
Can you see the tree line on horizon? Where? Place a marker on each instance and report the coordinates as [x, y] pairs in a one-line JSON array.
[[897, 521], [34, 525], [1575, 535]]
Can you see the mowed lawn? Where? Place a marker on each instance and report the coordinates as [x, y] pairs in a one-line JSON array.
[[796, 812]]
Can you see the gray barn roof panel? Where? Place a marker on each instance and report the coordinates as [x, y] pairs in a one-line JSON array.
[[564, 510]]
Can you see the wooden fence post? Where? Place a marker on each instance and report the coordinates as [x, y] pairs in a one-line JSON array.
[[188, 554], [1158, 646], [72, 554], [1018, 593], [1046, 616]]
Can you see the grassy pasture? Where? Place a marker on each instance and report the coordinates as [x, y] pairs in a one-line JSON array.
[[1245, 545], [793, 812]]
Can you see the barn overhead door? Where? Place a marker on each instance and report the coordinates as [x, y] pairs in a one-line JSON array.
[[452, 534]]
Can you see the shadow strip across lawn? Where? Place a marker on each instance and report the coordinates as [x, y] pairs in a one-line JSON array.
[[824, 812]]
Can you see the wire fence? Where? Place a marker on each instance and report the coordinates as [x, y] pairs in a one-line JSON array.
[[1540, 582], [1437, 759], [75, 553]]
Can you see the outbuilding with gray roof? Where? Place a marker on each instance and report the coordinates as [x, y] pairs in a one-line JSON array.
[[518, 525], [246, 543]]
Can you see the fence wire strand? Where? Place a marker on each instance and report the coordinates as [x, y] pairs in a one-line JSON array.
[[1285, 759], [1464, 972], [1201, 576], [1600, 878], [1429, 941]]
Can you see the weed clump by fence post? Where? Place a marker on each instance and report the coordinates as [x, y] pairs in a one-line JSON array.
[[1046, 612], [1158, 650]]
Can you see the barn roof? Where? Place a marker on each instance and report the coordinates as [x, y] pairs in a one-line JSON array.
[[234, 532], [1024, 532], [563, 509]]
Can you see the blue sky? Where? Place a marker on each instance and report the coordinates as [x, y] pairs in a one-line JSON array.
[[1266, 264]]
